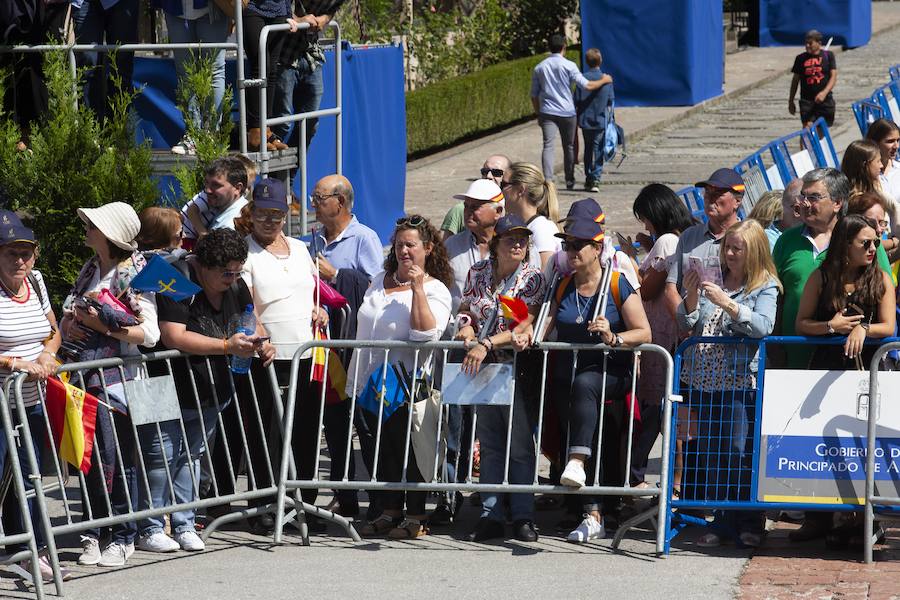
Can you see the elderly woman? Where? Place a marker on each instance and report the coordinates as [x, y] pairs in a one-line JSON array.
[[200, 326], [281, 277], [91, 333], [29, 340], [507, 272], [719, 380], [622, 323], [409, 300]]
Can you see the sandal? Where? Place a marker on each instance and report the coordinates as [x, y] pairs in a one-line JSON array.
[[380, 526], [408, 529]]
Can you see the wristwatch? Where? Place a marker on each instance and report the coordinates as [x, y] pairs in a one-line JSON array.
[[829, 328], [617, 341]]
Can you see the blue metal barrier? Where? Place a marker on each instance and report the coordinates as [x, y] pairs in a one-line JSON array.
[[826, 155], [866, 113], [719, 428], [886, 97], [693, 199]]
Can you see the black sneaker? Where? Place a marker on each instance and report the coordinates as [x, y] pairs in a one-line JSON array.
[[524, 530], [441, 517], [570, 185], [487, 529]]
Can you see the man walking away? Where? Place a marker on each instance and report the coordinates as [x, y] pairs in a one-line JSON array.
[[551, 96], [815, 71]]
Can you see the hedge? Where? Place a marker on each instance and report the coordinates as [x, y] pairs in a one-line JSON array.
[[448, 111]]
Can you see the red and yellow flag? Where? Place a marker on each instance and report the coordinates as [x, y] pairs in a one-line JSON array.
[[514, 309], [73, 416], [336, 379]]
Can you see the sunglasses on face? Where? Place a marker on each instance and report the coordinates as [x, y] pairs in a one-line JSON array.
[[575, 245], [230, 274], [268, 218], [411, 220], [868, 244], [515, 240], [495, 172]]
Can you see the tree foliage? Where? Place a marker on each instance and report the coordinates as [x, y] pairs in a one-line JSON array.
[[73, 161]]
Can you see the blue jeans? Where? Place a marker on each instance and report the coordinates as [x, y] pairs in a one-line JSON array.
[[12, 515], [172, 450], [593, 153], [210, 29], [118, 25], [299, 90], [491, 426]]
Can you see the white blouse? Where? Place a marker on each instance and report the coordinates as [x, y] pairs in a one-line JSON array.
[[384, 316], [283, 294]]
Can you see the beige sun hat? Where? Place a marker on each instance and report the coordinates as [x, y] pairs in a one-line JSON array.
[[116, 220]]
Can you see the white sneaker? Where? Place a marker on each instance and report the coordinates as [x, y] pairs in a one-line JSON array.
[[573, 476], [116, 554], [90, 551], [590, 529], [190, 541], [157, 542]]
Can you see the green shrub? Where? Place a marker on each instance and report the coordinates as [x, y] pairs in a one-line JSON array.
[[448, 111], [73, 161]]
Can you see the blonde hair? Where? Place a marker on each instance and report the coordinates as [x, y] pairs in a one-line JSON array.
[[539, 192], [252, 172], [758, 266], [159, 227], [768, 209]]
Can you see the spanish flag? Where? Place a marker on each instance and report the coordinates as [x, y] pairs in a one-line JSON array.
[[513, 309], [73, 416], [336, 379]]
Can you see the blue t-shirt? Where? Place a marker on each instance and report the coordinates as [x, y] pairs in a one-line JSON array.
[[569, 330]]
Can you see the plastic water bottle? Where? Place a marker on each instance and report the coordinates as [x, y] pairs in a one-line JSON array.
[[247, 326]]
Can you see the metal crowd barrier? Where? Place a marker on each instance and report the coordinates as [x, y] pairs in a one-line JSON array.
[[221, 436], [866, 113], [894, 72], [885, 440], [430, 452], [797, 445]]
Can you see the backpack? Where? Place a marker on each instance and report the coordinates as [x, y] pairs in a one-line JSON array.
[[614, 136], [613, 289]]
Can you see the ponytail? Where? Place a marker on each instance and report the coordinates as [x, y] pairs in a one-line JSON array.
[[550, 205]]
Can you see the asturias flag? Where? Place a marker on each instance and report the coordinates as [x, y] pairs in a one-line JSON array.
[[73, 416], [161, 277], [513, 309]]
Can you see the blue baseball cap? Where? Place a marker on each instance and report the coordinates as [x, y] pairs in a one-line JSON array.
[[584, 221], [724, 178], [12, 229], [270, 194], [511, 223]]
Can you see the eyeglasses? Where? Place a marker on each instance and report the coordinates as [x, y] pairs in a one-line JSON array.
[[575, 245], [811, 198], [230, 274], [495, 172], [882, 224], [412, 221], [867, 244], [268, 217], [317, 199]]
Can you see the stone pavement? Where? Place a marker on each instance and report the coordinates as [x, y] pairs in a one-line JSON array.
[[678, 145]]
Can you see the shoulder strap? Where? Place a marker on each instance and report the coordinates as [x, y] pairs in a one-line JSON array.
[[614, 289], [36, 287], [561, 288]]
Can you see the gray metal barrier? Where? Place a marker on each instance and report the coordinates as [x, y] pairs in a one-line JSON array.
[[432, 482], [238, 425], [872, 498]]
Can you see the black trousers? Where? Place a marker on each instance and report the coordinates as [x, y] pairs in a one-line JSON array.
[[253, 25]]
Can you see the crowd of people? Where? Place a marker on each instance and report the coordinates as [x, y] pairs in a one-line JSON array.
[[813, 259]]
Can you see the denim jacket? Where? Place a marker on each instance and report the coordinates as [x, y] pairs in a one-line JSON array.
[[756, 319]]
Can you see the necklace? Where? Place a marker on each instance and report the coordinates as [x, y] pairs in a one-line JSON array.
[[282, 257], [398, 282], [580, 318], [11, 293]]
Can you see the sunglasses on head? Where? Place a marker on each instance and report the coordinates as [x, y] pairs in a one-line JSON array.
[[495, 172], [411, 220]]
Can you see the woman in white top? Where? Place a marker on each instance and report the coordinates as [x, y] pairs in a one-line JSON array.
[[533, 199], [410, 300], [110, 231], [29, 340], [281, 277], [886, 134], [664, 216]]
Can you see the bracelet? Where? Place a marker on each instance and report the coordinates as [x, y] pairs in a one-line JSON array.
[[225, 346], [483, 345], [489, 341], [13, 365], [50, 354]]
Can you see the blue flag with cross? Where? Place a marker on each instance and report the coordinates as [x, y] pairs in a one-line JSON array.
[[161, 277]]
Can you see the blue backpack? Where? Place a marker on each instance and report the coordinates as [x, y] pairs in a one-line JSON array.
[[613, 137]]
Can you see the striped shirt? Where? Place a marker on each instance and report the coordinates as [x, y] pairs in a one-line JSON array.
[[23, 329]]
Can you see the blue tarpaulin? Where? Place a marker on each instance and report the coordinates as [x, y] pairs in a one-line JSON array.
[[783, 22], [658, 53], [374, 126]]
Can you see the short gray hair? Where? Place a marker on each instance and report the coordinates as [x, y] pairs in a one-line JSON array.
[[835, 182]]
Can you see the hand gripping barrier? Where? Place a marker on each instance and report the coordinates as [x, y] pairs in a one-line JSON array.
[[749, 437], [403, 449], [881, 440], [173, 434]]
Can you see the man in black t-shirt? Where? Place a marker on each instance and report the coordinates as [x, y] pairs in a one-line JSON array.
[[815, 71]]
